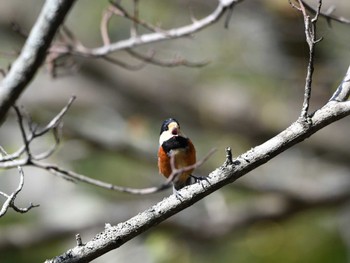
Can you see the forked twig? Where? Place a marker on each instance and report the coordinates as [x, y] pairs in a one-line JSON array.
[[10, 199], [55, 125]]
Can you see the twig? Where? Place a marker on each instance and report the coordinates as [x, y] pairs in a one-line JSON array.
[[123, 64], [177, 171], [17, 29], [10, 199], [328, 15], [56, 132], [23, 132], [133, 29], [73, 176], [11, 161], [118, 10], [55, 125], [59, 52], [229, 15], [106, 17], [173, 63], [57, 119], [13, 156], [2, 72], [343, 91], [310, 34], [69, 45], [191, 13], [156, 36]]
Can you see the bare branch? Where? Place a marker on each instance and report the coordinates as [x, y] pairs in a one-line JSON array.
[[23, 132], [17, 29], [179, 61], [123, 64], [343, 91], [70, 46], [155, 36], [328, 15], [33, 52], [12, 156], [118, 10], [106, 17], [12, 160], [57, 119], [310, 34], [73, 176], [14, 163], [231, 170], [114, 236], [10, 199], [56, 132], [54, 126], [229, 15], [3, 72], [235, 217], [177, 171], [134, 27]]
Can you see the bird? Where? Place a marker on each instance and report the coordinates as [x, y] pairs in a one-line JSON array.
[[172, 142]]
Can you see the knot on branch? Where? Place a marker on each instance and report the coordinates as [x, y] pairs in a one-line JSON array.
[[305, 121]]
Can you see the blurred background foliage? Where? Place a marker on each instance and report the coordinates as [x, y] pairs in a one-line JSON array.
[[293, 209]]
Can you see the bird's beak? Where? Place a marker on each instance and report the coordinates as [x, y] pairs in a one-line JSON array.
[[175, 131]]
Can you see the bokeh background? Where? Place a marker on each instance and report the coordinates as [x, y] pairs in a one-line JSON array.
[[293, 209]]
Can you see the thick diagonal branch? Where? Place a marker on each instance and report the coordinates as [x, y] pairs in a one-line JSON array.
[[115, 236], [33, 52]]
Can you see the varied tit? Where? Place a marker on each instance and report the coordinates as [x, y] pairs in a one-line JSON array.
[[172, 142]]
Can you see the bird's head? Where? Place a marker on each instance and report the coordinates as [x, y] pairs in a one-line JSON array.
[[170, 128]]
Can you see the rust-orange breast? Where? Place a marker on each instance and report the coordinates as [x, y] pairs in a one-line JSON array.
[[183, 157]]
